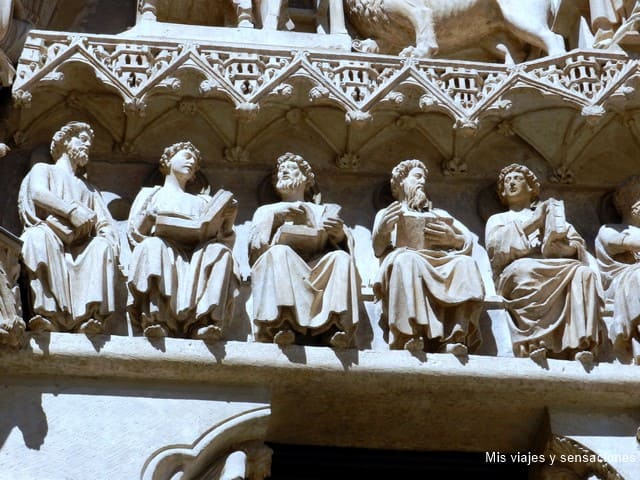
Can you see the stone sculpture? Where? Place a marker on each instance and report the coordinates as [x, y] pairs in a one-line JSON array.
[[236, 13], [304, 279], [265, 14], [430, 287], [182, 276], [618, 255], [542, 270], [12, 326], [426, 27], [13, 30], [611, 20], [70, 243]]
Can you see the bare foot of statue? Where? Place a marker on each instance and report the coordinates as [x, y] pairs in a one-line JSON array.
[[284, 338], [538, 355], [458, 349], [155, 331], [40, 324], [340, 340], [211, 333], [415, 345], [91, 327], [586, 358]]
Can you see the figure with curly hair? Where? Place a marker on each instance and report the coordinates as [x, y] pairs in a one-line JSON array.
[[430, 287], [542, 269], [618, 254], [305, 285], [182, 281], [70, 242]]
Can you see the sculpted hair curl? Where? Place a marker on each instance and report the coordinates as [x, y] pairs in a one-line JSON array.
[[529, 176], [62, 136], [171, 150], [303, 165], [400, 172]]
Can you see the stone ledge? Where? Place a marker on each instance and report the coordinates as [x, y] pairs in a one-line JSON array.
[[258, 364]]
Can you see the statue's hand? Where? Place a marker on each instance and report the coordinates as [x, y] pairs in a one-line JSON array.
[[334, 228], [390, 217], [440, 234], [82, 217], [291, 212]]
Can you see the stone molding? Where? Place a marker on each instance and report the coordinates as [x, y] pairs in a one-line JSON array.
[[235, 445], [593, 82]]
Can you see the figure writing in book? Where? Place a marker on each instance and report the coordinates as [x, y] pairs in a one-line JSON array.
[[542, 270], [618, 254], [304, 279], [70, 242], [182, 276], [430, 288]]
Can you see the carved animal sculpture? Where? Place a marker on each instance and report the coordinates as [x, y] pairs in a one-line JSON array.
[[424, 28]]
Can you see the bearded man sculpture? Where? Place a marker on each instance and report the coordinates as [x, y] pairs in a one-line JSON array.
[[70, 242], [304, 279], [430, 287], [618, 254]]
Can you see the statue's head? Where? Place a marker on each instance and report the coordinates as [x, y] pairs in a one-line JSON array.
[[74, 139], [293, 172], [517, 174], [627, 200], [408, 180], [171, 151]]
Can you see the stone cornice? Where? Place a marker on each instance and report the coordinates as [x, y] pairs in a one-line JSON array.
[[267, 365]]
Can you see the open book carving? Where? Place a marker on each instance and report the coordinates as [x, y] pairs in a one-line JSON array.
[[555, 227], [306, 234], [189, 230], [66, 232], [410, 229]]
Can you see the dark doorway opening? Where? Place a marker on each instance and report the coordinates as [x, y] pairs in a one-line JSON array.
[[302, 462]]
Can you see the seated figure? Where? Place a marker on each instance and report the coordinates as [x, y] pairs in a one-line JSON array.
[[70, 242], [618, 254], [182, 276], [430, 287], [542, 270], [304, 278]]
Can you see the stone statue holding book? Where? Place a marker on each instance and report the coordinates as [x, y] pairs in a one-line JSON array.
[[70, 242], [182, 276], [618, 253], [544, 272], [430, 287], [305, 285]]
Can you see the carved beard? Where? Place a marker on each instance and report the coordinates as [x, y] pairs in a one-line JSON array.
[[79, 156], [417, 199], [289, 185]]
